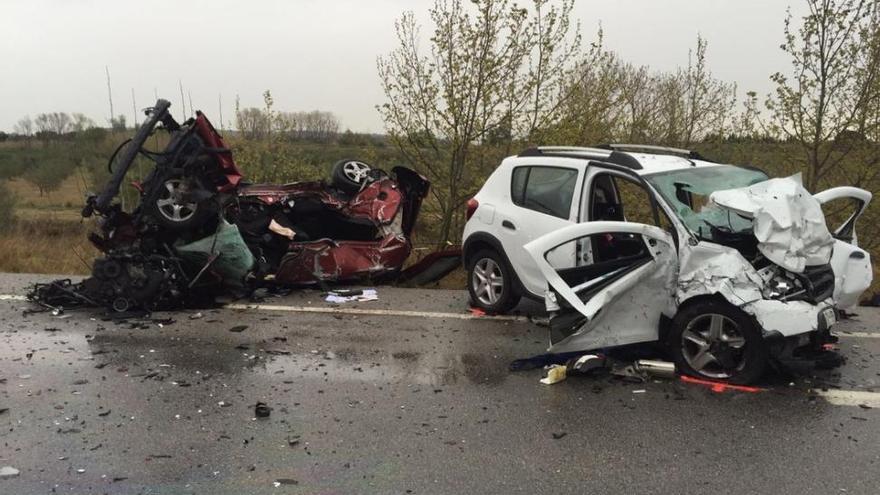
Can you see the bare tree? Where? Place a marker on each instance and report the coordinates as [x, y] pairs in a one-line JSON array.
[[24, 126], [834, 72], [79, 122], [59, 122], [251, 123]]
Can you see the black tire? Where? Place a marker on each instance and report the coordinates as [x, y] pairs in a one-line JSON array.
[[349, 175], [191, 214], [498, 302], [692, 331]]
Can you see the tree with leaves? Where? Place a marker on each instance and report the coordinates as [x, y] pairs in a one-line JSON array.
[[493, 73], [835, 65]]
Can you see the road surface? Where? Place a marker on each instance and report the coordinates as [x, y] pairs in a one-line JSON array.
[[407, 394]]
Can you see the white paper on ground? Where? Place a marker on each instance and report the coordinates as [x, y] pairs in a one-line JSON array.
[[366, 295]]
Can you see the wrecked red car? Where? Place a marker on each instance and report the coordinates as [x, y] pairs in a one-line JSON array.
[[200, 227]]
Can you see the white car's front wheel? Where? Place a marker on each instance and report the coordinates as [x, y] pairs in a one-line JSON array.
[[714, 340]]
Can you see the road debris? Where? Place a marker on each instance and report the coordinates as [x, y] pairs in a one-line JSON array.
[[352, 295], [555, 374], [8, 472], [261, 410]]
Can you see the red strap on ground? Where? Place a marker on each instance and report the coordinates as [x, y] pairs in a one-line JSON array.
[[477, 311], [720, 386]]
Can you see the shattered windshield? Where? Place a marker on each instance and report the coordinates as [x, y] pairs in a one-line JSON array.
[[687, 191]]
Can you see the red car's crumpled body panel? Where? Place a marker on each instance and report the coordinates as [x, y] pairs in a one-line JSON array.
[[217, 147], [384, 203], [379, 202], [325, 260]]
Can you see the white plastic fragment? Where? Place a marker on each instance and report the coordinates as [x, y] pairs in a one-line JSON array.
[[8, 472], [555, 374]]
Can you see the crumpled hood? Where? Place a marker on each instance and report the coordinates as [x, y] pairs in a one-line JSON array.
[[787, 221]]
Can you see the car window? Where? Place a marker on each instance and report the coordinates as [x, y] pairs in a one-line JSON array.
[[618, 199], [838, 212], [637, 207], [687, 192], [518, 184], [547, 190]]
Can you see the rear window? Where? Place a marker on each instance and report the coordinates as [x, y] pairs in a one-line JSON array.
[[547, 190]]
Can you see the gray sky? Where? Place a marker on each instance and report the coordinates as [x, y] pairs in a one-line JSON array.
[[314, 54]]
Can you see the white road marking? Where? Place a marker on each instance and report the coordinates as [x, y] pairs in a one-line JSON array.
[[373, 312], [850, 397], [415, 314], [858, 335]]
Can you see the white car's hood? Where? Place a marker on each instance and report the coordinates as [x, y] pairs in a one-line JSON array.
[[787, 221]]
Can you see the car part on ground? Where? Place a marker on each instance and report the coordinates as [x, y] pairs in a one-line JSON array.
[[640, 244], [198, 228]]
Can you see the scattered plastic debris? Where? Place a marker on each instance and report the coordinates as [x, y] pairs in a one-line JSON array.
[[8, 472], [586, 363], [261, 410], [555, 374], [352, 295], [285, 481]]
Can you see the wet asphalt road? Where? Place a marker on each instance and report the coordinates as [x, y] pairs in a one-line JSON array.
[[395, 404]]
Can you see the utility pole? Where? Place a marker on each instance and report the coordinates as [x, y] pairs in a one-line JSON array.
[[220, 107], [134, 108], [182, 99], [191, 112], [109, 94]]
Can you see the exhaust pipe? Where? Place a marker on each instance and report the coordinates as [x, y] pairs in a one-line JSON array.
[[661, 369]]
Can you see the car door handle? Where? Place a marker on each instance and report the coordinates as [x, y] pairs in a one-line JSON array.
[[508, 225]]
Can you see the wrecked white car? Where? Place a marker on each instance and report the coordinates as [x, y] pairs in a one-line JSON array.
[[725, 266]]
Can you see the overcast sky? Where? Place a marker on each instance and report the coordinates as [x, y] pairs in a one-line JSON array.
[[313, 54]]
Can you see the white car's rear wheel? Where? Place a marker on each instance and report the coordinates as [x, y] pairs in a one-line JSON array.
[[490, 282]]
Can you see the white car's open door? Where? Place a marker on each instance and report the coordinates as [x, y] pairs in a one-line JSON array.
[[610, 302], [857, 200], [851, 265]]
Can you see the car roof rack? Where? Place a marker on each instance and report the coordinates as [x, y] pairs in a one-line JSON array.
[[652, 149], [599, 154]]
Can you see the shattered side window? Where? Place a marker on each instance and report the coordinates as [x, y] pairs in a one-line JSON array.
[[687, 192]]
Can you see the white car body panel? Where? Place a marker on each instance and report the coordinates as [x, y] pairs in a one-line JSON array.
[[788, 223], [630, 307]]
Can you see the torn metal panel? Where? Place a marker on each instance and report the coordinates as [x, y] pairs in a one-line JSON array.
[[327, 260], [787, 221], [787, 318], [710, 268]]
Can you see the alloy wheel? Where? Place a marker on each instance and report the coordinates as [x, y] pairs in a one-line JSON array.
[[713, 345], [171, 203], [355, 171], [487, 281]]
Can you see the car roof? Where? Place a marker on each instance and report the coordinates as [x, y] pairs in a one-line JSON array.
[[641, 159]]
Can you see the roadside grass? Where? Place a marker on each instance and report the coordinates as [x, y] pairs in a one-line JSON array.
[[46, 246]]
